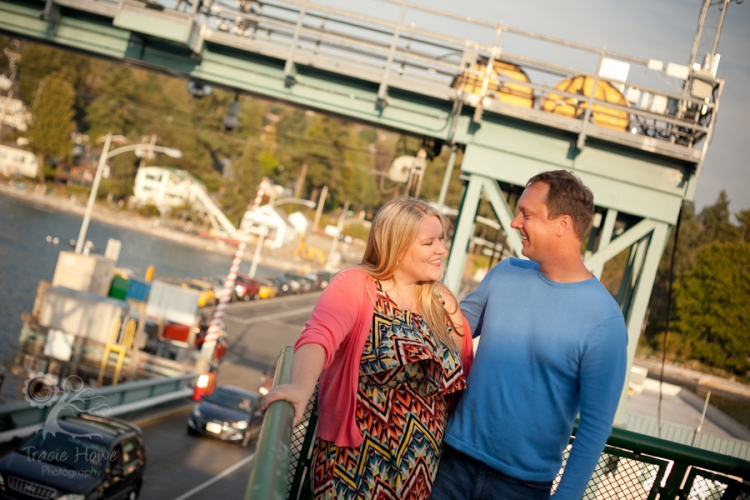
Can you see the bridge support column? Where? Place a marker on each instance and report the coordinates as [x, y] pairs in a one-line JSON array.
[[651, 247]]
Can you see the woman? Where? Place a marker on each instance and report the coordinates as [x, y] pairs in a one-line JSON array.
[[384, 336]]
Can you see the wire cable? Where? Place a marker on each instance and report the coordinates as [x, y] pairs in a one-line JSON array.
[[669, 316]]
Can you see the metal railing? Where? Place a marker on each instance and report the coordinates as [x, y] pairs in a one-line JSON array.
[[24, 417], [398, 54], [632, 466]]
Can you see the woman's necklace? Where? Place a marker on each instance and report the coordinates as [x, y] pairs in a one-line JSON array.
[[400, 301]]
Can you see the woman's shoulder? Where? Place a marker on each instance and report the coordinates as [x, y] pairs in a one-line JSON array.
[[352, 278], [351, 274]]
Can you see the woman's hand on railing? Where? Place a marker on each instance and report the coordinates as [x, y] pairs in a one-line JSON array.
[[297, 394]]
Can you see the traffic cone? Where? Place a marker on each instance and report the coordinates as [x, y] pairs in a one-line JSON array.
[[204, 386]]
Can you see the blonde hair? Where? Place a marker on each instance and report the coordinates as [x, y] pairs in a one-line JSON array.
[[394, 229]]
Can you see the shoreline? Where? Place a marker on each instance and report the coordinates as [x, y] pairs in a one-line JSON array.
[[131, 221]]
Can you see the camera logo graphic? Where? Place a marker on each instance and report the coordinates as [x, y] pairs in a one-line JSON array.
[[68, 396]]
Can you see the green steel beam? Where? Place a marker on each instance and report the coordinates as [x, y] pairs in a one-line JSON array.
[[223, 66], [454, 270], [270, 474], [604, 239]]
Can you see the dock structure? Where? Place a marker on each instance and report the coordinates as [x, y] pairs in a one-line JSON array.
[[639, 149]]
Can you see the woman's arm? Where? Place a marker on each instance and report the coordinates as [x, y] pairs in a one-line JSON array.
[[332, 320], [307, 365], [456, 316]]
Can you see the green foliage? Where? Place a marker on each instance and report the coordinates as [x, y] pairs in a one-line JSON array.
[[711, 291], [743, 217], [40, 61], [149, 211], [715, 222], [52, 126], [113, 110], [713, 310]]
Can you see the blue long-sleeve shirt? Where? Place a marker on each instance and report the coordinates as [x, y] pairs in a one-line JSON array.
[[547, 351]]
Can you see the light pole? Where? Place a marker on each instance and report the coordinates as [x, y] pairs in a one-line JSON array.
[[107, 154]]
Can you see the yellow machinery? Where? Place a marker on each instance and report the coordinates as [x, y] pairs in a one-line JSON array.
[[575, 108], [121, 348], [510, 93], [307, 252]]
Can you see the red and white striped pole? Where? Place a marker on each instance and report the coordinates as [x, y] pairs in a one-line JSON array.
[[214, 330]]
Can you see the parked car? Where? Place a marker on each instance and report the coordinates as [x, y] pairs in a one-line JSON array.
[[325, 278], [247, 288], [229, 414], [267, 289], [205, 289], [305, 285], [314, 279], [77, 457], [283, 286], [217, 282]]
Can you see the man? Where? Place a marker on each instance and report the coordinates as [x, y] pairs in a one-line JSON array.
[[553, 343]]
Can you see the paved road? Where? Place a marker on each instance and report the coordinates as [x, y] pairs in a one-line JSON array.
[[182, 467], [196, 468], [257, 331]]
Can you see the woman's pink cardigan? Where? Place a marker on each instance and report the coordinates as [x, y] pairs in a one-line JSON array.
[[340, 323]]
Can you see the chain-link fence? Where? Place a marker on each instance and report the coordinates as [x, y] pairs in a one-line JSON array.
[[632, 466], [627, 474], [301, 450]]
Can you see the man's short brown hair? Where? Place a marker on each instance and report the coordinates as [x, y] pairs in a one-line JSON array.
[[567, 196]]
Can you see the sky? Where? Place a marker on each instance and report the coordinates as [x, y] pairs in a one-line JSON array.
[[647, 29]]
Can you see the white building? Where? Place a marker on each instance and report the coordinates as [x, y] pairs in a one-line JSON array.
[[13, 112], [164, 187], [17, 161], [280, 231]]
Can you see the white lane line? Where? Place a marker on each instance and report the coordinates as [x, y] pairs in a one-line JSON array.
[[218, 477], [248, 321], [255, 304]]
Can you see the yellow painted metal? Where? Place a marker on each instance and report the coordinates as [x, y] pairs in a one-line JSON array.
[[120, 348], [507, 92], [575, 108]]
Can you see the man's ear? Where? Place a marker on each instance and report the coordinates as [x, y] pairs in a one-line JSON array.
[[564, 225]]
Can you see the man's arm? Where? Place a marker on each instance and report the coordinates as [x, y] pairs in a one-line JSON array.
[[473, 305], [601, 378]]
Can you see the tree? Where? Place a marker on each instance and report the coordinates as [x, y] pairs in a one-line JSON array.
[[114, 109], [712, 307], [715, 222], [39, 61], [52, 127], [684, 260], [743, 217]]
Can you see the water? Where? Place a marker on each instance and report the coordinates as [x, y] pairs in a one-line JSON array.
[[26, 258]]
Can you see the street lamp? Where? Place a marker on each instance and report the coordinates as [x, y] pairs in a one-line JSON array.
[[106, 155]]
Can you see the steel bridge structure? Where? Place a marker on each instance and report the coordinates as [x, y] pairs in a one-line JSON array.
[[640, 152]]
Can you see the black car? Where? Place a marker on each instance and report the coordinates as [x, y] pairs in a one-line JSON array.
[[282, 285], [79, 457], [228, 413]]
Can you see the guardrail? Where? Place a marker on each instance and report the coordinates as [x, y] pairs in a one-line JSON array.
[[24, 417], [632, 466], [605, 102]]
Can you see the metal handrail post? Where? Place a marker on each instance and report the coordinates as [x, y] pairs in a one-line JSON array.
[[592, 98], [289, 65], [268, 479], [383, 89]]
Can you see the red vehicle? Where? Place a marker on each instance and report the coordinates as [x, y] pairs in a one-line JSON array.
[[246, 287]]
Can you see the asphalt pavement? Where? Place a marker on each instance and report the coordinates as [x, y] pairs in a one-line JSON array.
[[182, 467], [257, 332]]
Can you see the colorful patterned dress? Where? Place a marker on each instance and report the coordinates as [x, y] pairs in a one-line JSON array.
[[405, 374]]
